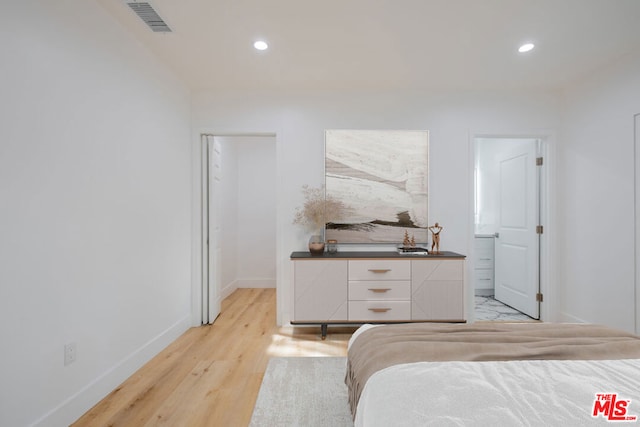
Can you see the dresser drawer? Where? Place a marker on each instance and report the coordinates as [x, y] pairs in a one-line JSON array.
[[484, 258], [379, 311], [380, 290], [483, 279], [380, 270]]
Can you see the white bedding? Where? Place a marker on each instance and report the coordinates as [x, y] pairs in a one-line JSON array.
[[511, 393]]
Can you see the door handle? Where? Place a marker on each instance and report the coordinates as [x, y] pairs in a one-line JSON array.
[[497, 235]]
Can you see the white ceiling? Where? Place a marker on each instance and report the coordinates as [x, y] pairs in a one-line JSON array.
[[387, 44]]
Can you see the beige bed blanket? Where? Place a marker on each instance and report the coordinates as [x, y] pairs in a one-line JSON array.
[[381, 347]]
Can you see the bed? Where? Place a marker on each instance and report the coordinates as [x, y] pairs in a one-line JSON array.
[[493, 374]]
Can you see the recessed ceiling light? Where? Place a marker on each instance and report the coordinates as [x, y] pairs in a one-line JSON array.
[[526, 47], [261, 45]]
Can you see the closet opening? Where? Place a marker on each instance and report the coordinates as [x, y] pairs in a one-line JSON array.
[[238, 216]]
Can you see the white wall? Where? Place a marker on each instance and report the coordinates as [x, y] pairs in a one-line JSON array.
[[256, 212], [229, 216], [487, 188], [95, 220], [299, 120], [596, 196]]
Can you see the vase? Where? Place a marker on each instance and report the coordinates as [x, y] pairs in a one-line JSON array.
[[316, 244]]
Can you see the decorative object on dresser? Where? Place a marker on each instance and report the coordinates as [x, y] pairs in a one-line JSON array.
[[376, 287], [318, 209], [383, 176], [417, 250], [435, 238], [316, 244], [409, 247]]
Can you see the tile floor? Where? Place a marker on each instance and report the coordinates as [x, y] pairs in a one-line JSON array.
[[487, 308]]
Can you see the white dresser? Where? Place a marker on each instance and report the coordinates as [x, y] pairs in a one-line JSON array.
[[376, 287]]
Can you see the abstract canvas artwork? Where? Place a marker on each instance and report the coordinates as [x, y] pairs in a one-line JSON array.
[[382, 177]]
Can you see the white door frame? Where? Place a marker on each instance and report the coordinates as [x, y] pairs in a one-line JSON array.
[[636, 172], [199, 230], [547, 219]]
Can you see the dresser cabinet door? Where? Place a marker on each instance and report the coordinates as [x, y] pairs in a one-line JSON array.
[[437, 290], [320, 290]]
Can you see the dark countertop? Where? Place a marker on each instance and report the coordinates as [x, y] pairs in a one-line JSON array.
[[372, 255]]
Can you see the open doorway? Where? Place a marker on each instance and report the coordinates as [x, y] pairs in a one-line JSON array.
[[506, 265], [239, 217]]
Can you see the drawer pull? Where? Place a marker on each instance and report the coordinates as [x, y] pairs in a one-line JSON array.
[[485, 259], [379, 310], [379, 290], [485, 279], [379, 270]]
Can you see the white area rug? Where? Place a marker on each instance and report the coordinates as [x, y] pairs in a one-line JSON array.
[[303, 391]]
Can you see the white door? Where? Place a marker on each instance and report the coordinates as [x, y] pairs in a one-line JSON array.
[[517, 241], [212, 295]]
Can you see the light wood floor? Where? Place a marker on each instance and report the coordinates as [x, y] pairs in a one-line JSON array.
[[211, 375]]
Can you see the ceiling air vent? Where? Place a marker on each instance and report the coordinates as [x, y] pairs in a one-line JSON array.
[[149, 16]]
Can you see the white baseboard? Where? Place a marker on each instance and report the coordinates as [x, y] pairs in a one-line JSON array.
[[229, 289], [75, 406], [256, 283], [568, 318], [246, 283]]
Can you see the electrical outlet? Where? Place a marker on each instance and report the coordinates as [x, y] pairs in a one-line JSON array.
[[70, 353]]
